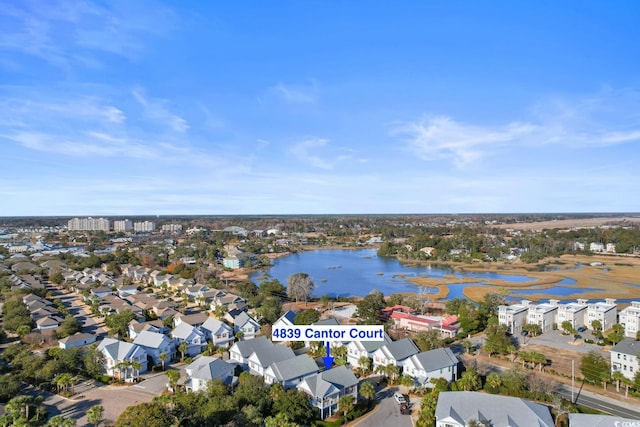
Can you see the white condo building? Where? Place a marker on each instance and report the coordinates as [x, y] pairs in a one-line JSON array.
[[123, 225], [543, 315], [574, 312], [89, 224], [606, 312], [630, 319], [172, 228], [514, 316], [144, 226]]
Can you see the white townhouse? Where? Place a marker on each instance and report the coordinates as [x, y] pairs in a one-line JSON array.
[[290, 372], [514, 316], [205, 369], [606, 312], [246, 325], [543, 315], [358, 349], [630, 319], [241, 350], [624, 357], [396, 353], [156, 344], [574, 312], [286, 320], [437, 363], [262, 358], [217, 332], [191, 335], [327, 387], [117, 354]]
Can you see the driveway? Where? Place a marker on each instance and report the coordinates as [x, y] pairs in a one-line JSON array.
[[386, 413], [555, 339]]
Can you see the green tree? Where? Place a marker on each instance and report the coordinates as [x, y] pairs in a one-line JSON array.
[[163, 358], [428, 340], [173, 377], [10, 385], [369, 308], [618, 377], [514, 381], [346, 404], [567, 327], [93, 361], [150, 414], [616, 334], [496, 339], [296, 405], [532, 329], [182, 348], [69, 326], [15, 314], [307, 317], [494, 381], [60, 421], [270, 310], [56, 278], [118, 323], [95, 414], [367, 390], [469, 381], [300, 286], [595, 368]]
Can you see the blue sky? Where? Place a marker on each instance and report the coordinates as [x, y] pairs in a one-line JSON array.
[[274, 107]]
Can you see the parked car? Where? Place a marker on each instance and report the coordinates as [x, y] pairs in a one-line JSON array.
[[404, 409], [399, 398], [581, 329]]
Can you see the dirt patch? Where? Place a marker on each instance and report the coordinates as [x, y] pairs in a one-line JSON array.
[[568, 223]]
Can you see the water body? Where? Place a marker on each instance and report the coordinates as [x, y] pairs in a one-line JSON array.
[[358, 272]]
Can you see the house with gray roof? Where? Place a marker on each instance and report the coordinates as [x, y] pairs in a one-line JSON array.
[[135, 327], [287, 319], [326, 388], [48, 322], [458, 408], [156, 344], [191, 335], [217, 332], [262, 358], [358, 349], [193, 319], [246, 325], [205, 369], [395, 352], [625, 357], [437, 363], [77, 340], [241, 350], [290, 372], [119, 353]]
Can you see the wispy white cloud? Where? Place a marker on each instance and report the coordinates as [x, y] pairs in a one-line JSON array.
[[65, 33], [296, 93], [157, 110], [599, 120], [303, 152]]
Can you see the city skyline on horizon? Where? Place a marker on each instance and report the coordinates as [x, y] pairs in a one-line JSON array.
[[155, 108]]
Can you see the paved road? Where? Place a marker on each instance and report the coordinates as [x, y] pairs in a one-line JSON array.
[[80, 311], [386, 413], [598, 402]]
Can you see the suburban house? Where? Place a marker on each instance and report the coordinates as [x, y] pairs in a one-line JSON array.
[[262, 358], [193, 319], [606, 312], [359, 349], [125, 290], [437, 363], [194, 338], [459, 408], [630, 319], [624, 358], [543, 315], [445, 325], [241, 350], [155, 344], [136, 327], [395, 352], [246, 325], [117, 354], [290, 372], [327, 387], [514, 316], [217, 332], [205, 369], [48, 322], [77, 340]]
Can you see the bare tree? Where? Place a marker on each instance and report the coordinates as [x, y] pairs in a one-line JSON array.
[[300, 286]]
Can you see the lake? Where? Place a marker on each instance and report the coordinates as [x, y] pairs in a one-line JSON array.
[[358, 272]]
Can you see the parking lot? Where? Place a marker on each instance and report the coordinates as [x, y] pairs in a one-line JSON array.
[[555, 339]]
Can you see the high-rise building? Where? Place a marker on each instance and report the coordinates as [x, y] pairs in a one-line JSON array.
[[144, 226], [89, 224], [172, 228], [123, 225]]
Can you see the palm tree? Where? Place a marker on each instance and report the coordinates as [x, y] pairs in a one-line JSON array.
[[173, 377], [59, 421], [345, 403], [365, 363], [367, 390], [211, 347], [494, 380], [469, 381], [95, 414], [182, 348], [136, 368], [392, 371], [163, 357]]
